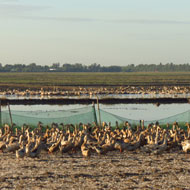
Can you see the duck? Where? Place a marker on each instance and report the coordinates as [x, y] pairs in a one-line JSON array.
[[35, 152], [14, 144], [137, 144], [185, 146], [85, 149], [174, 142], [99, 150], [2, 146], [152, 145], [109, 145], [161, 148], [120, 146], [20, 153], [55, 146], [66, 146]]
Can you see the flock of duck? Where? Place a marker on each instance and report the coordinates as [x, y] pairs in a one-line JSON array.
[[88, 139], [93, 91]]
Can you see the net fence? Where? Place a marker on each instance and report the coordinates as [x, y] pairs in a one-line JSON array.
[[84, 115], [109, 117], [73, 116]]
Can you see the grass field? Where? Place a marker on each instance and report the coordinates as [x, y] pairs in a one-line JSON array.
[[92, 79]]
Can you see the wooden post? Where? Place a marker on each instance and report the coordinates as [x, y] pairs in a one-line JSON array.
[[95, 118], [142, 124], [0, 115], [10, 114], [99, 112]]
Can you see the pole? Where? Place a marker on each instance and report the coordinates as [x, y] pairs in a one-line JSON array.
[[99, 111], [95, 118], [10, 114]]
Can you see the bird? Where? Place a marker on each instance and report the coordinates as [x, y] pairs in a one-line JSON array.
[[185, 145], [35, 152], [85, 148], [20, 153]]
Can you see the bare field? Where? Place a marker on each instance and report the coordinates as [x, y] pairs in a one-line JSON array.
[[37, 80], [127, 170]]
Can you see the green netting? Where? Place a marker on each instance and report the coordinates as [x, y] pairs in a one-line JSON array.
[[75, 116], [180, 118], [108, 117]]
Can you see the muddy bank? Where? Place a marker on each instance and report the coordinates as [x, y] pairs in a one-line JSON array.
[[65, 101], [127, 170]]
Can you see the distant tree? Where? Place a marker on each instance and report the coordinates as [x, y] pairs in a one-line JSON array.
[[1, 67], [79, 67], [55, 66], [94, 67]]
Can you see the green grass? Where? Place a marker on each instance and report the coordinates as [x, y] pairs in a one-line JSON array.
[[37, 80]]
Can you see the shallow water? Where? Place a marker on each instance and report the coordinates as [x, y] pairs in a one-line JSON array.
[[131, 111]]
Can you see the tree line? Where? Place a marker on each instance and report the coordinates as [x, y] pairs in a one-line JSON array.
[[78, 67]]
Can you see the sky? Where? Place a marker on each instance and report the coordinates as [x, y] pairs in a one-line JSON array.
[[106, 32]]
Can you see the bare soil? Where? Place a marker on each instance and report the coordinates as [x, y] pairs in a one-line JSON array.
[[127, 170], [87, 101]]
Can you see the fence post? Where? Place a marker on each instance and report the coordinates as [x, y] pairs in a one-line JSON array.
[[99, 112], [95, 118], [10, 114]]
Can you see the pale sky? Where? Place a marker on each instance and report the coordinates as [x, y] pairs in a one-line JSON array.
[[107, 32]]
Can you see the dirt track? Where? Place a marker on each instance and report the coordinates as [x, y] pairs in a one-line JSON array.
[[87, 101], [128, 170]]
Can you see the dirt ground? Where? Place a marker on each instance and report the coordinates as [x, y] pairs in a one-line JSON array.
[[127, 170]]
